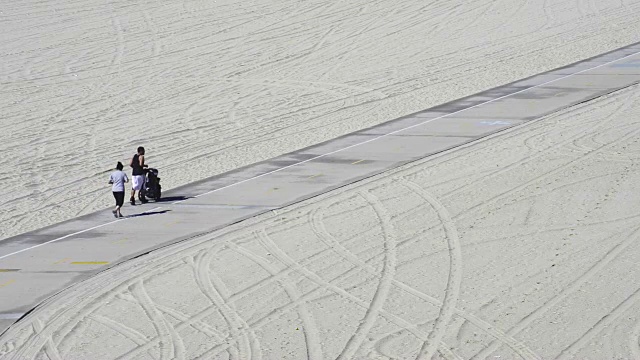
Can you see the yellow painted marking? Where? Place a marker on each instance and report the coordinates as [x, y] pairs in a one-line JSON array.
[[89, 262], [314, 176], [9, 270], [7, 283], [357, 162], [62, 261], [171, 223]]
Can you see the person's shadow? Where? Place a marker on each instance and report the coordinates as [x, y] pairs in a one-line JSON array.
[[172, 199], [167, 199], [147, 213]]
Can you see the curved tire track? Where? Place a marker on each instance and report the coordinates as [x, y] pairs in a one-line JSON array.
[[454, 281]]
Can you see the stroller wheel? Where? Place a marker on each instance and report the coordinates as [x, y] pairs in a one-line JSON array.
[[142, 196]]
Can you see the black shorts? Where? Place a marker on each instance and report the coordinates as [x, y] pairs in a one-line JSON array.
[[119, 197]]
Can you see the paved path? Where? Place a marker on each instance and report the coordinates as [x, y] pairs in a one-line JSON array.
[[39, 264]]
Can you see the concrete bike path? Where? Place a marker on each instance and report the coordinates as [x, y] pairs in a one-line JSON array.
[[38, 264]]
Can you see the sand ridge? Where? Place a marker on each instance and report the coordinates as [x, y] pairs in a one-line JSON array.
[[211, 86]]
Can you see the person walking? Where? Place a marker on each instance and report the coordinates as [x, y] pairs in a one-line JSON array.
[[137, 178], [118, 178]]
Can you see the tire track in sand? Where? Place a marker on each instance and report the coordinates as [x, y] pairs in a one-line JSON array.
[[131, 334], [319, 229], [236, 323], [185, 321], [454, 280], [309, 328], [386, 278], [323, 284], [165, 330], [68, 322], [317, 225], [50, 348], [380, 296], [603, 323], [574, 285]]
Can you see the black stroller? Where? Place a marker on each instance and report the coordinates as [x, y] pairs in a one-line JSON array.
[[151, 188]]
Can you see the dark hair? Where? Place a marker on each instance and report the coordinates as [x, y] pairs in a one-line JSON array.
[[140, 150], [119, 166]]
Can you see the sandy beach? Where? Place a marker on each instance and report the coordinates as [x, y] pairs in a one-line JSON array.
[[209, 86], [520, 246]]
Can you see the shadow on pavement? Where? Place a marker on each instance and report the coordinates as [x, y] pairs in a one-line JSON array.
[[147, 213], [172, 199]]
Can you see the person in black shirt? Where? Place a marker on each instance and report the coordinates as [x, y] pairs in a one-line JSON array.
[[137, 178]]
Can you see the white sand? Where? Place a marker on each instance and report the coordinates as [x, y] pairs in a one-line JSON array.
[[522, 245], [208, 86]]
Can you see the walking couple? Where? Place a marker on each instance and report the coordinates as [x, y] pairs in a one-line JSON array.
[[119, 178]]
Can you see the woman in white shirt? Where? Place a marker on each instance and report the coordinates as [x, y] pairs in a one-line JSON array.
[[118, 179]]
